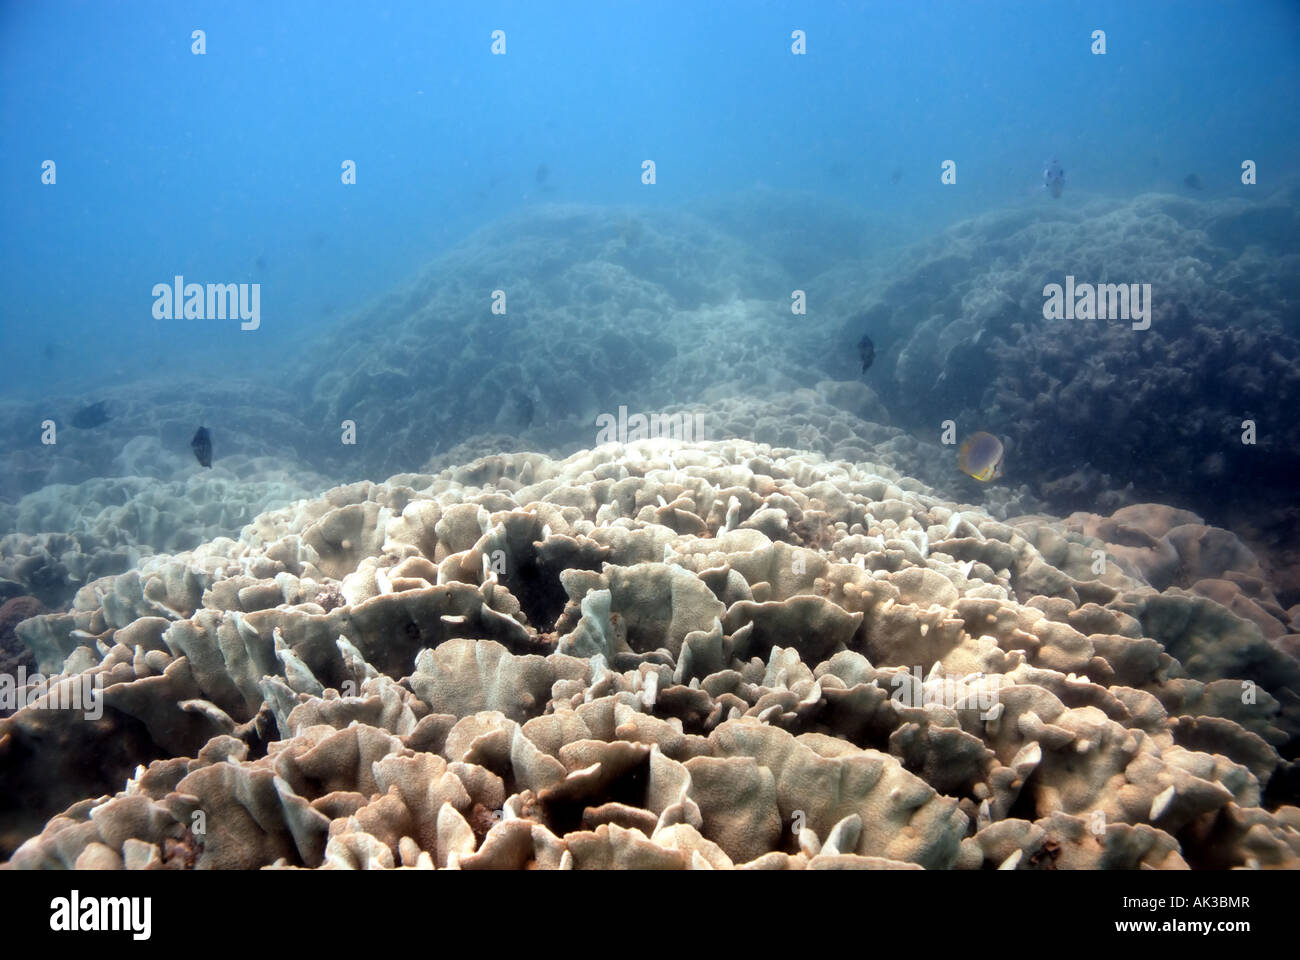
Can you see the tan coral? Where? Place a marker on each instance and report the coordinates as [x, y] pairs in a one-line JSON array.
[[681, 656]]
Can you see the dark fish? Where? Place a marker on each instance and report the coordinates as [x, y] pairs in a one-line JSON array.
[[897, 175], [542, 174], [48, 351], [525, 406], [202, 446], [91, 416], [1192, 182], [866, 352], [1053, 178]]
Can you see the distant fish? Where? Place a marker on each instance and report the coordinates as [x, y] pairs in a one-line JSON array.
[[1192, 182], [981, 457], [202, 446], [896, 176], [524, 406], [866, 352], [91, 416], [1053, 178], [541, 174]]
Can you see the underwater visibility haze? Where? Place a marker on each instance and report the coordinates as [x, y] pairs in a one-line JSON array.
[[608, 436]]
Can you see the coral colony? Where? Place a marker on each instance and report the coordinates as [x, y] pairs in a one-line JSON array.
[[664, 654]]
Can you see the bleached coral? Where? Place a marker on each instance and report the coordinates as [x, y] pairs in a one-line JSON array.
[[660, 655]]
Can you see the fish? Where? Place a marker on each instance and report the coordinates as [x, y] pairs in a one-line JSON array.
[[202, 446], [92, 416], [981, 457], [866, 352], [524, 406], [1192, 182], [1053, 178]]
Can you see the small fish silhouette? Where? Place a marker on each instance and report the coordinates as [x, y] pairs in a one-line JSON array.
[[202, 446], [1053, 178], [91, 416], [524, 406], [866, 352]]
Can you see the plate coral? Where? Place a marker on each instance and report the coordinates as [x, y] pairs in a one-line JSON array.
[[685, 656]]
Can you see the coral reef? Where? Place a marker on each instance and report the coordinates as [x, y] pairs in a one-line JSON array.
[[659, 311], [1089, 407], [14, 654], [705, 655], [604, 307], [1168, 547], [105, 525], [149, 433]]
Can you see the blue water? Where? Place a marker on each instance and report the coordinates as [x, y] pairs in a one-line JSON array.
[[226, 167]]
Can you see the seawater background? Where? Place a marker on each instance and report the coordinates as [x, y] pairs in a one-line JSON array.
[[225, 167]]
